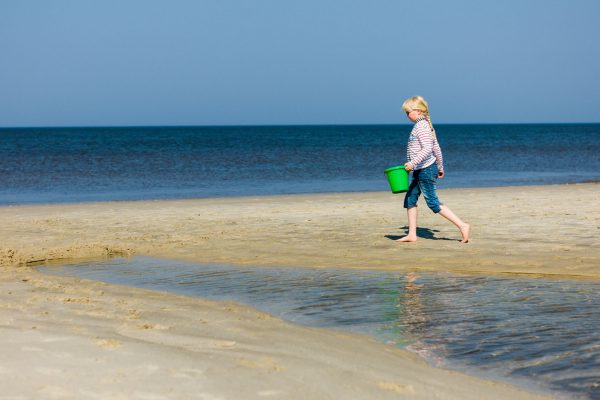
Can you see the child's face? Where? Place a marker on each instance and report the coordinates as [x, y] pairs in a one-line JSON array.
[[414, 114]]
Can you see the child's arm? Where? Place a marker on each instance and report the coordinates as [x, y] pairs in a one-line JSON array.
[[439, 159]]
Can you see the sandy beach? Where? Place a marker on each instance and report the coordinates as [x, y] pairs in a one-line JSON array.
[[521, 230], [69, 338]]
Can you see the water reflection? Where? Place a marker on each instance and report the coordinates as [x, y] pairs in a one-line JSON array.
[[544, 333], [407, 317]]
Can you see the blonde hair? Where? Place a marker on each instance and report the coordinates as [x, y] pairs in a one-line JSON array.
[[417, 103]]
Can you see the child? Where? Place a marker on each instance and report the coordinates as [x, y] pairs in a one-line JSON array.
[[425, 160]]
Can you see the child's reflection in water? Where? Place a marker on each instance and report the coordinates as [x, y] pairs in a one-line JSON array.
[[414, 314], [414, 318]]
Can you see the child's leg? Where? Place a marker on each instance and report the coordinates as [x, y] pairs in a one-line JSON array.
[[465, 229], [427, 184], [410, 203], [412, 226]]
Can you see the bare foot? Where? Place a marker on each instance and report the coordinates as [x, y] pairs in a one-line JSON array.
[[465, 230], [407, 238]]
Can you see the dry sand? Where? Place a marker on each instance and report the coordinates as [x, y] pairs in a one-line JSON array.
[[67, 338]]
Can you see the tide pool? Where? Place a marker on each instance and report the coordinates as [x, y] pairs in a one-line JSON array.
[[539, 333]]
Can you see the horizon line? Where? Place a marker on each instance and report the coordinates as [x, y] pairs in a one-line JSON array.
[[285, 125]]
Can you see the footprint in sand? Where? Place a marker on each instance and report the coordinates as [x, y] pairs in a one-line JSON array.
[[262, 363], [187, 373], [108, 343], [397, 387], [152, 326]]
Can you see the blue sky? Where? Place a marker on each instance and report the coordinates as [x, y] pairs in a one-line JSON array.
[[88, 63]]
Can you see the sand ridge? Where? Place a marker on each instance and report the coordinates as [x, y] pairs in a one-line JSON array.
[[522, 230]]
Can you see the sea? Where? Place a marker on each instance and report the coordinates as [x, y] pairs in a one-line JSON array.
[[83, 164]]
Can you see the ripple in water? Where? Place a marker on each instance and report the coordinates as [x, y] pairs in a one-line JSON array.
[[540, 333]]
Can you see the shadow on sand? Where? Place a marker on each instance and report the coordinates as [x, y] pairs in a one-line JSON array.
[[424, 233]]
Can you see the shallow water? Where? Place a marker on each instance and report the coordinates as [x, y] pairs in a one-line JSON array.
[[543, 334]]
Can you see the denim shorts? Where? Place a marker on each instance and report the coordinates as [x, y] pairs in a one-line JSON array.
[[423, 181]]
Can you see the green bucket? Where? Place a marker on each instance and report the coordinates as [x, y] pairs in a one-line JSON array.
[[398, 179]]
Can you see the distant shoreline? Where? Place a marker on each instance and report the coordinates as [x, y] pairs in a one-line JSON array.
[[266, 195]]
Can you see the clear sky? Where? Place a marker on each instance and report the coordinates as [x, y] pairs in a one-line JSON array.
[[236, 62]]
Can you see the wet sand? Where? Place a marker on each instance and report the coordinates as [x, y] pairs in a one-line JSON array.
[[67, 338]]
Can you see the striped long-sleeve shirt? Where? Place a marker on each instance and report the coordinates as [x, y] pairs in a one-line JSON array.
[[423, 148]]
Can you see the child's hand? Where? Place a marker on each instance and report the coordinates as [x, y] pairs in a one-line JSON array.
[[440, 174], [408, 166]]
